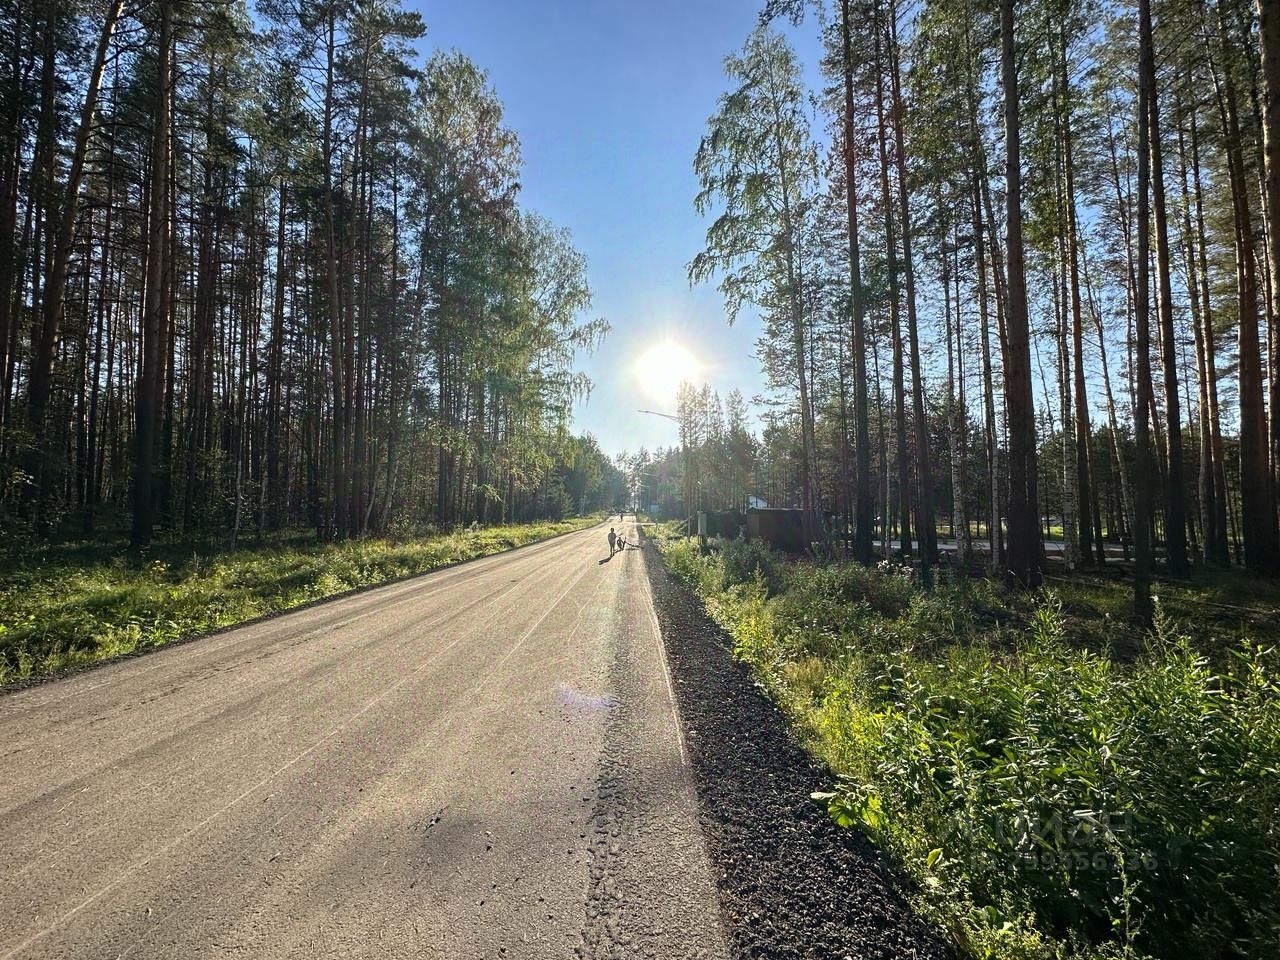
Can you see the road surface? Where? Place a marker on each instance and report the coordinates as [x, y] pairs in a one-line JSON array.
[[481, 762]]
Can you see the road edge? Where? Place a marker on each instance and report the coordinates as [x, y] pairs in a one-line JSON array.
[[67, 673], [791, 882]]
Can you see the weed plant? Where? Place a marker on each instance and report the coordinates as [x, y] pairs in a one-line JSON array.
[[1048, 799]]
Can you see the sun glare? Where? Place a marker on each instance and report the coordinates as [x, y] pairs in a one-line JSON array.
[[663, 367]]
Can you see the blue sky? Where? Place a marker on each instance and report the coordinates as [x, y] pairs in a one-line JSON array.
[[610, 98]]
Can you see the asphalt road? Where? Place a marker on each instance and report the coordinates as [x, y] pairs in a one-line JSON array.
[[482, 762]]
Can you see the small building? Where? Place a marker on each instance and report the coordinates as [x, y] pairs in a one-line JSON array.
[[782, 528], [728, 524]]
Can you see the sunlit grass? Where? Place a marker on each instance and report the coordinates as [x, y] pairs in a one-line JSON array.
[[1056, 784], [61, 612]]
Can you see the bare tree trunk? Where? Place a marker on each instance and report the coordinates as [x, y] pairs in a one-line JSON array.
[[55, 285], [1084, 433], [988, 381], [1217, 550], [1269, 36], [1024, 533], [1061, 308], [275, 372], [885, 508], [1142, 321], [1175, 497], [104, 314], [899, 385], [814, 522], [40, 201], [154, 319], [924, 471], [957, 414], [1258, 522], [1208, 517], [862, 497], [983, 231], [1070, 505], [9, 189], [338, 511]]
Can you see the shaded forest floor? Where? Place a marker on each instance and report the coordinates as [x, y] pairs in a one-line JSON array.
[[1215, 609], [1056, 783], [68, 605]]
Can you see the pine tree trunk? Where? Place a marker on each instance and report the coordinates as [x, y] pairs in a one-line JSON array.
[[957, 415], [1269, 37], [988, 382], [9, 190], [1258, 522], [1217, 550], [1208, 517], [338, 453], [811, 503], [1070, 505], [103, 320], [895, 325], [1083, 429], [154, 319], [275, 371], [1145, 478], [1061, 308], [863, 503], [1175, 495], [886, 509], [926, 528], [984, 239], [62, 240], [1024, 533]]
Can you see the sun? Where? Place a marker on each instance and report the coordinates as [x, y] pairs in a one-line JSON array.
[[663, 367]]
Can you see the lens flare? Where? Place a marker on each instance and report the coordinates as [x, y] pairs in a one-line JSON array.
[[663, 367]]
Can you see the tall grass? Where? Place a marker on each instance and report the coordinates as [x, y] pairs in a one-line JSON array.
[[63, 613], [1049, 800]]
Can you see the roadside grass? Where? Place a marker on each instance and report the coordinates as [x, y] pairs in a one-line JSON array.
[[60, 610], [1050, 797]]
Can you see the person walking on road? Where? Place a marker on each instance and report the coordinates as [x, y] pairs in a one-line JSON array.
[[613, 540]]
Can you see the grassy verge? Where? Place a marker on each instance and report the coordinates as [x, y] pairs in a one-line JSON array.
[[59, 611], [1051, 799]]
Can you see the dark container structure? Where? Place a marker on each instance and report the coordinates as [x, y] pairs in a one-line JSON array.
[[780, 527]]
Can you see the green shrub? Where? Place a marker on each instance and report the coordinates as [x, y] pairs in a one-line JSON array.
[[1048, 800], [746, 561], [687, 563]]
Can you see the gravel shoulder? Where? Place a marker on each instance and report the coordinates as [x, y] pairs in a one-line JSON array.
[[792, 883]]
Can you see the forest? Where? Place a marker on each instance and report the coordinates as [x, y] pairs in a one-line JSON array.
[[1018, 269], [276, 325], [1018, 272], [266, 268]]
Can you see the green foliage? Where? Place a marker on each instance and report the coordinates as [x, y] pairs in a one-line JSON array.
[[748, 561], [55, 615], [1048, 800]]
